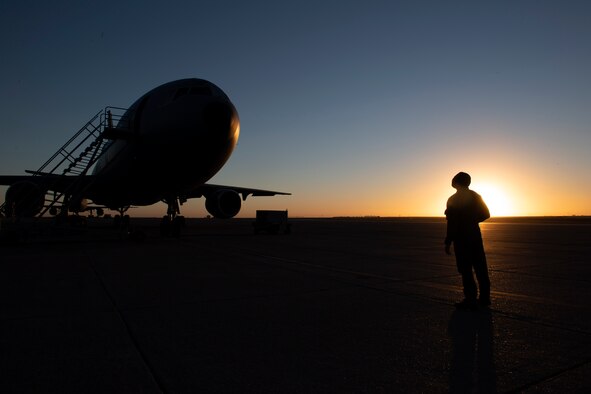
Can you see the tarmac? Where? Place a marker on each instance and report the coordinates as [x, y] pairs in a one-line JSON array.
[[349, 305]]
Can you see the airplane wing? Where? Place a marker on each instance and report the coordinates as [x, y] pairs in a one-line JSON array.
[[7, 180], [207, 189], [58, 183]]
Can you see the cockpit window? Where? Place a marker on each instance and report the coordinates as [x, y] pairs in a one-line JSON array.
[[201, 90], [195, 90], [180, 92]]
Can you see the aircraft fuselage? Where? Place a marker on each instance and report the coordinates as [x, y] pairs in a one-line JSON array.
[[177, 136], [165, 147]]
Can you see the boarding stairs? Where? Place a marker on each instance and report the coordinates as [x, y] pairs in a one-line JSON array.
[[78, 155]]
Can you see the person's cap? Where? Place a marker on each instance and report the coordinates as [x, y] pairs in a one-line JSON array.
[[461, 179]]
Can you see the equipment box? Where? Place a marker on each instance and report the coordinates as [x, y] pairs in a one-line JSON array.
[[272, 222]]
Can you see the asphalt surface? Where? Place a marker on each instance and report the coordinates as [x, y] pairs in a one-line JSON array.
[[338, 306]]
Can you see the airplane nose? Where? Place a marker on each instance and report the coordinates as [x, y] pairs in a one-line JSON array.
[[220, 119]]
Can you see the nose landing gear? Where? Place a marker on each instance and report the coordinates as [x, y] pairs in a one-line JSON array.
[[172, 223], [122, 222]]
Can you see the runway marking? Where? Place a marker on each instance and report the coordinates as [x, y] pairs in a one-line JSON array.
[[422, 282], [517, 272], [425, 282], [150, 369], [550, 377]]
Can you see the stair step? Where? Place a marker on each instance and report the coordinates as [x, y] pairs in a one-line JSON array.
[[114, 133], [81, 152]]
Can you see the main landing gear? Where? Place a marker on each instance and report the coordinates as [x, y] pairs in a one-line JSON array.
[[173, 222], [121, 220], [123, 223]]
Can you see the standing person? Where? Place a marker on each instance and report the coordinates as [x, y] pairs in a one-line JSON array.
[[465, 209]]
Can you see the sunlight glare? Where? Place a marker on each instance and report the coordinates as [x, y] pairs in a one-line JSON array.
[[495, 198]]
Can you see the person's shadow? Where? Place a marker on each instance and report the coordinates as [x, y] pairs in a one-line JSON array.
[[472, 361]]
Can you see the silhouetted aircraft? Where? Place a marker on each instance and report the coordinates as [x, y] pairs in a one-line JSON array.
[[165, 147]]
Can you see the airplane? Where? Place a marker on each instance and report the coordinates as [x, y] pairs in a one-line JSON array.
[[165, 147]]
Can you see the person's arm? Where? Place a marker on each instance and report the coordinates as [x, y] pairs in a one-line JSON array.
[[482, 212], [452, 225]]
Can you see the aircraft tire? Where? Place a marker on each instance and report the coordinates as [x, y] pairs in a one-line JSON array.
[[177, 224], [165, 226]]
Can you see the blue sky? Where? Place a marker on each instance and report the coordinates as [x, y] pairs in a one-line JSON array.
[[357, 108]]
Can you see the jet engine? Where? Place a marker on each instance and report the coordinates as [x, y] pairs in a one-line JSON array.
[[78, 205], [223, 204], [24, 199]]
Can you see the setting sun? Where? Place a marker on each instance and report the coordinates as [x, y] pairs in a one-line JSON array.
[[495, 198]]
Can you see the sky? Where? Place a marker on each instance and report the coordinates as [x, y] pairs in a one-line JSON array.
[[358, 108]]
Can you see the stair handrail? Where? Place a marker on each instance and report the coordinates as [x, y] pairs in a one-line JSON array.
[[115, 117], [74, 137], [94, 129]]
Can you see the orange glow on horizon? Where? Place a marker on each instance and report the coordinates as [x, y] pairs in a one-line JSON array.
[[506, 193], [496, 198]]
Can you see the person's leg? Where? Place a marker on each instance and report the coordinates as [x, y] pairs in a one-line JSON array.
[[469, 284], [464, 264], [481, 271]]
